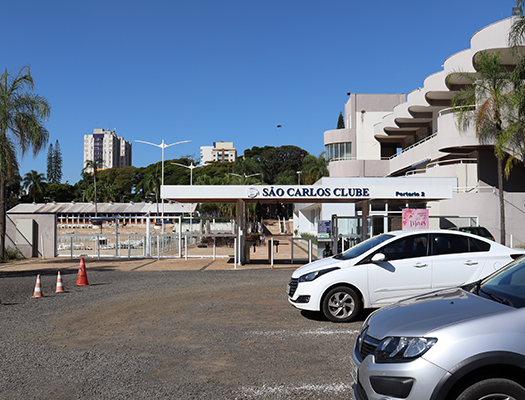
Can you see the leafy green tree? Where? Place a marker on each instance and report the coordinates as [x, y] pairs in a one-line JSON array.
[[22, 117], [60, 192], [35, 183], [486, 102], [121, 179], [271, 161], [341, 121]]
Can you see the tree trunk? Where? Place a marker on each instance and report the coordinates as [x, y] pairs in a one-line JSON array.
[[501, 202]]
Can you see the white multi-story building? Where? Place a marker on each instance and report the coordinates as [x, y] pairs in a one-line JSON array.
[[220, 151], [418, 138], [107, 149]]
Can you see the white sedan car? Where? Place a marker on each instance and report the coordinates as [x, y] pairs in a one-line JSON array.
[[393, 266]]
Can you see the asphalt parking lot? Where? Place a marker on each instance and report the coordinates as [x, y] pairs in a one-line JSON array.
[[140, 330]]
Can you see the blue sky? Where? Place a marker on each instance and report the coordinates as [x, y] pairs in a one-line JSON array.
[[212, 70]]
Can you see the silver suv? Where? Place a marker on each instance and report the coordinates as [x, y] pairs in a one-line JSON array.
[[464, 343]]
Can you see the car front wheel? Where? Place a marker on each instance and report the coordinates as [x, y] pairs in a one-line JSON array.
[[341, 304], [493, 389]]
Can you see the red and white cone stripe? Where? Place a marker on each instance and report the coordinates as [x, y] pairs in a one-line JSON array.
[[60, 284], [38, 288]]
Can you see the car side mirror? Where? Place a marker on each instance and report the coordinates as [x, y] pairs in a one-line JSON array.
[[378, 257]]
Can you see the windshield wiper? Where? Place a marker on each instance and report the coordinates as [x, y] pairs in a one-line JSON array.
[[494, 297], [340, 256], [473, 287]]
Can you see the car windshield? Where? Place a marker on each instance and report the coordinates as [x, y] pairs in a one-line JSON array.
[[506, 286], [363, 247]]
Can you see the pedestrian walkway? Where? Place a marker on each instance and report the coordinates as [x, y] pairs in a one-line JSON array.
[[145, 264]]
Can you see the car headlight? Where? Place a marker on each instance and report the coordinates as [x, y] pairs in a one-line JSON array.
[[315, 274], [403, 348]]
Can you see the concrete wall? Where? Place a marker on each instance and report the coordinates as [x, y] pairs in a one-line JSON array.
[[43, 242], [358, 168]]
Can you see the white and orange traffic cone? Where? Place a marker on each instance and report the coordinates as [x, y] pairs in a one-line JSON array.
[[60, 285], [38, 288], [82, 274]]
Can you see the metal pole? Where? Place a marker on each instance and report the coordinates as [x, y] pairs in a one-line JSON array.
[[148, 237], [291, 260], [271, 252], [162, 184], [234, 253], [180, 236]]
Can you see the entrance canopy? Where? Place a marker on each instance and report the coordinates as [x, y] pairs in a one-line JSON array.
[[327, 190]]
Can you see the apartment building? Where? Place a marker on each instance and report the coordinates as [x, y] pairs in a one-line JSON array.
[[220, 151], [417, 137], [107, 149]]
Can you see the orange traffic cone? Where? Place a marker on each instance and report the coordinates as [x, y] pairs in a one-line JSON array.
[[60, 285], [38, 288], [82, 275]]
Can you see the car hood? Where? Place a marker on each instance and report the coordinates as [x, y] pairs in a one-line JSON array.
[[317, 265], [420, 315]]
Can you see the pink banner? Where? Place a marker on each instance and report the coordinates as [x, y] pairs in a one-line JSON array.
[[415, 218]]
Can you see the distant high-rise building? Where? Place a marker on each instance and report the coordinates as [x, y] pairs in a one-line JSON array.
[[107, 149], [220, 151]]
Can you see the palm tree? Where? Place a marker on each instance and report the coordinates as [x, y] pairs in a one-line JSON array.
[[35, 183], [91, 165], [150, 184], [513, 143], [313, 169], [486, 102], [22, 117]]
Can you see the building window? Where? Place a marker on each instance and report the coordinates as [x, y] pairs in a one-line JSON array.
[[338, 151]]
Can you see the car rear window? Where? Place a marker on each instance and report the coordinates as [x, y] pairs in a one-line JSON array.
[[445, 243], [478, 245]]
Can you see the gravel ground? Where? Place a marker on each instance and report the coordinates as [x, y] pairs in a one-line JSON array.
[[167, 335]]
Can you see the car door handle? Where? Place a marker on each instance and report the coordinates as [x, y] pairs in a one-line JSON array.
[[470, 262], [420, 265]]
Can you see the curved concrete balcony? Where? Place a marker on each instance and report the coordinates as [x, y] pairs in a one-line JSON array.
[[450, 139], [339, 136], [493, 37]]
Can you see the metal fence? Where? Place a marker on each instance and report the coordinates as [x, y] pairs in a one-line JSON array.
[[144, 246]]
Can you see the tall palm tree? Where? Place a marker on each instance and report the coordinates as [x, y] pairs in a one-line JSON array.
[[93, 165], [22, 117], [35, 183], [150, 184], [486, 102], [313, 169], [514, 141]]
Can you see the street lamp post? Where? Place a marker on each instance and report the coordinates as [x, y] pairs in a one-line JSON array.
[[191, 168], [163, 146], [245, 176], [299, 177]]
